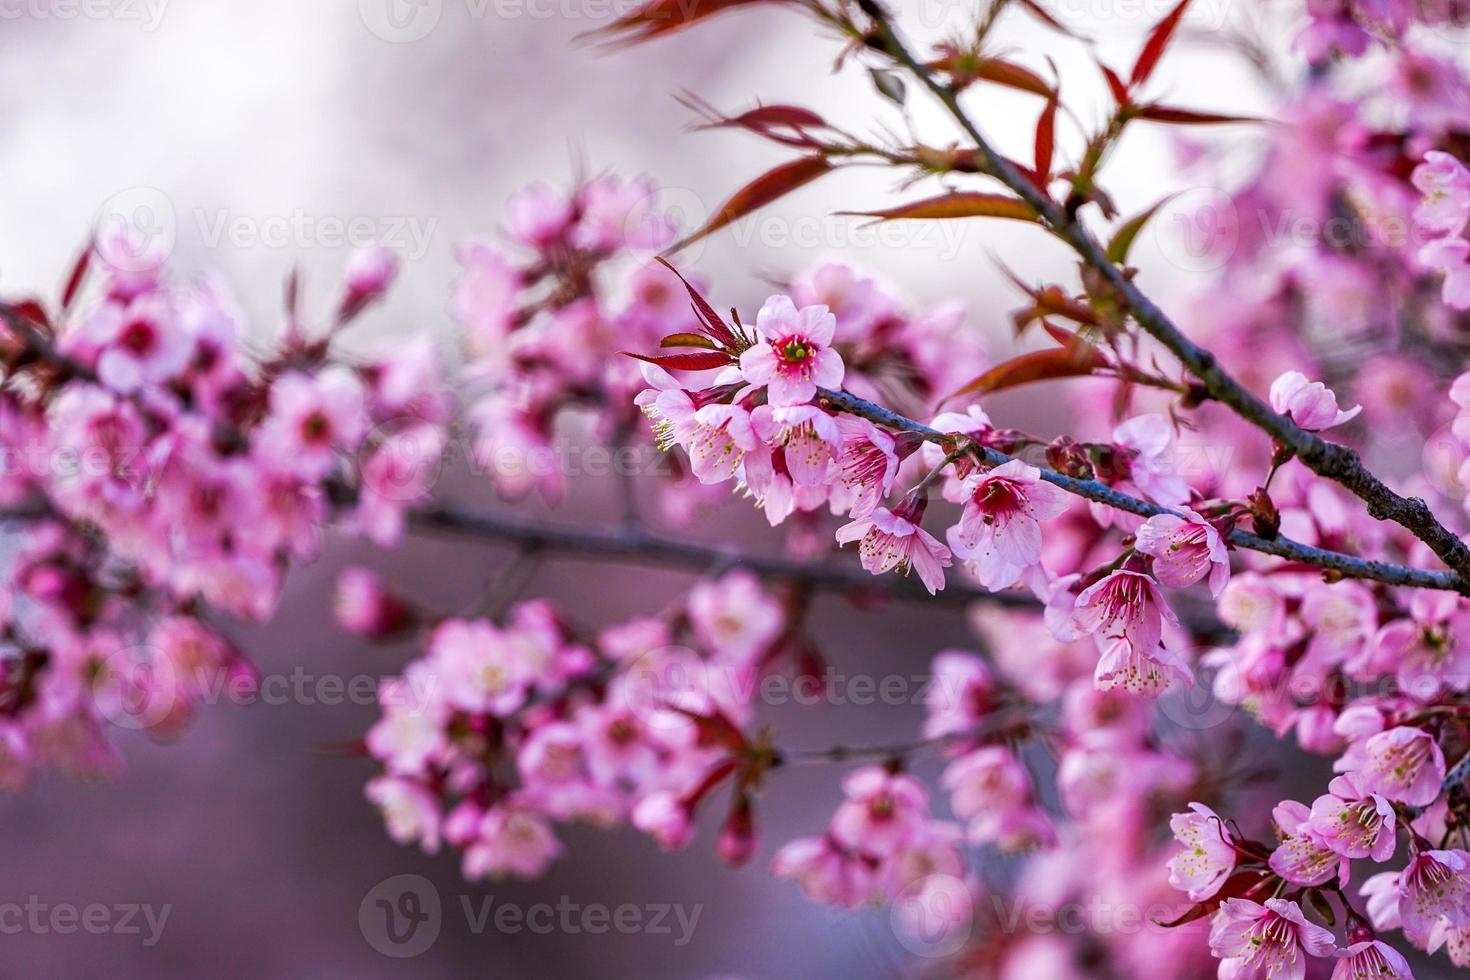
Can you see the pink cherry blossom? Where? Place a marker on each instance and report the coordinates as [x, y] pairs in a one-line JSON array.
[[1430, 652], [1184, 549], [960, 695], [999, 533], [882, 812], [828, 872], [538, 215], [889, 541], [1310, 404], [1303, 857], [511, 840], [808, 436], [719, 437], [1450, 256], [1208, 855], [1354, 824], [410, 811], [1405, 765], [1435, 886], [1445, 184], [1372, 958], [1266, 942], [795, 357], [866, 464]]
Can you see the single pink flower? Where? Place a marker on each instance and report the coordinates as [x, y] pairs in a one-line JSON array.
[[1302, 857], [410, 811], [882, 811], [987, 787], [961, 694], [1371, 960], [312, 418], [1429, 652], [1184, 549], [1266, 942], [1207, 859], [1310, 404], [999, 532], [866, 467], [665, 818], [808, 436], [370, 273], [889, 541], [1353, 823], [827, 871], [1450, 256], [537, 215], [511, 839], [795, 356], [1445, 183], [1405, 765], [1435, 886]]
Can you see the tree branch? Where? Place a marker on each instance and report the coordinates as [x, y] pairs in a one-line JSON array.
[[1345, 565], [633, 546], [1328, 460]]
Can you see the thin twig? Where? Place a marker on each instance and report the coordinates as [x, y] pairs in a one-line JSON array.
[[1345, 565]]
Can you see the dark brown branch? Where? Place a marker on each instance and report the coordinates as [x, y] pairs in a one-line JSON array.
[[633, 546], [1345, 565]]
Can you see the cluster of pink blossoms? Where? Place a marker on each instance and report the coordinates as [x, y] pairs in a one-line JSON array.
[[159, 475], [501, 729]]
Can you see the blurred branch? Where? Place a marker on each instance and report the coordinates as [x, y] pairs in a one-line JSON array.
[[634, 546]]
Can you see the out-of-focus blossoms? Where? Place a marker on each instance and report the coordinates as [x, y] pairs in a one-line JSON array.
[[164, 480]]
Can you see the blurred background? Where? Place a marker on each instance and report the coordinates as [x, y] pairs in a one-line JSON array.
[[280, 134]]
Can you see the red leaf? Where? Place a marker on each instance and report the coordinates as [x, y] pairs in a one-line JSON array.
[[1011, 75], [1041, 365], [687, 340], [713, 325], [1158, 39], [1115, 84], [1046, 140], [32, 310], [697, 361], [659, 17], [1077, 347], [1188, 117], [784, 124], [768, 187], [962, 204], [77, 277], [1040, 13]]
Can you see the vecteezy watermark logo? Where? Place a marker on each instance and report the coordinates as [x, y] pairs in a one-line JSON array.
[[40, 918], [1197, 230], [401, 21], [401, 917], [933, 916], [136, 229], [148, 13]]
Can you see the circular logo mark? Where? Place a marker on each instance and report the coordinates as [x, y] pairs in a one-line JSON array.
[[132, 690], [136, 229], [400, 917], [401, 21], [933, 917], [1198, 230]]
